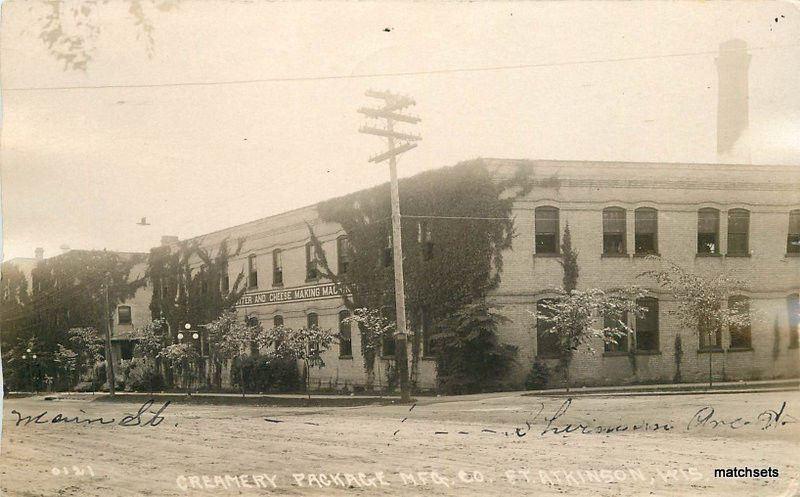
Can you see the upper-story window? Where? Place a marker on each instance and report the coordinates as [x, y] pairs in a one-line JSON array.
[[224, 280], [738, 232], [388, 252], [345, 335], [793, 239], [740, 334], [124, 314], [547, 344], [708, 231], [546, 230], [793, 310], [343, 254], [425, 239], [614, 231], [647, 325], [646, 236], [252, 271], [277, 267], [312, 271]]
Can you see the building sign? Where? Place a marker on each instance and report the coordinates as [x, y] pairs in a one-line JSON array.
[[299, 294]]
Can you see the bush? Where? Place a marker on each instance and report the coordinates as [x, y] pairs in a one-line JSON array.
[[538, 377], [266, 374], [141, 375]]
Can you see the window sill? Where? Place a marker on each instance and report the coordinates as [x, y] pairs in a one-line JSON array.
[[429, 358], [647, 254], [647, 352], [738, 255], [711, 350], [616, 354], [345, 357], [313, 280], [740, 349], [547, 254], [548, 356], [252, 287], [792, 254], [703, 254], [277, 285], [614, 256]]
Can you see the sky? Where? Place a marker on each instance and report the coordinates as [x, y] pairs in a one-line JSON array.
[[177, 130]]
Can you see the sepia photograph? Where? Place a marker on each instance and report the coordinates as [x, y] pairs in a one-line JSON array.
[[400, 248]]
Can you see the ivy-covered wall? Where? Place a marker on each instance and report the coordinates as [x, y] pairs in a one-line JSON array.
[[456, 223]]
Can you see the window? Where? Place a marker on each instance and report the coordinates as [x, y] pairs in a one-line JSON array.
[[738, 232], [252, 271], [277, 321], [388, 252], [793, 309], [124, 314], [312, 272], [345, 335], [343, 254], [277, 267], [647, 325], [547, 344], [429, 345], [614, 231], [126, 350], [710, 332], [203, 280], [646, 232], [708, 231], [793, 239], [740, 335], [224, 280], [387, 341], [619, 333], [425, 239], [546, 230], [312, 321]]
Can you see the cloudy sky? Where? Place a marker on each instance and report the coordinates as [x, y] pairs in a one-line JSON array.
[[202, 114]]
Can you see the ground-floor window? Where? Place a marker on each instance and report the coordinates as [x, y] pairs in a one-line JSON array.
[[793, 309], [126, 350], [740, 335], [546, 342], [616, 333], [345, 335], [647, 325]]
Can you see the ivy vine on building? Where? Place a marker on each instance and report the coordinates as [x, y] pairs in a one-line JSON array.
[[456, 222]]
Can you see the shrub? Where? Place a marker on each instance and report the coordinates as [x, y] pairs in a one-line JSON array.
[[538, 377], [141, 375], [266, 374]]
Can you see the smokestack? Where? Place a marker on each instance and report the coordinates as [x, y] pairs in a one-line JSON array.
[[39, 253], [733, 119], [168, 240]]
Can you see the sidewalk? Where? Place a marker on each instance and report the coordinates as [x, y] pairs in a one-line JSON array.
[[678, 388]]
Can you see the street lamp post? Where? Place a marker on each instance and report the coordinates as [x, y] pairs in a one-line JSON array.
[[195, 336], [30, 357]]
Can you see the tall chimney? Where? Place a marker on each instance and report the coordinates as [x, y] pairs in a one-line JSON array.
[[733, 64], [39, 253]]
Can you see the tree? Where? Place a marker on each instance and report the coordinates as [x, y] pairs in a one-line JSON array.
[[374, 327], [569, 262], [470, 358], [88, 346], [573, 317], [183, 357], [700, 299], [303, 344], [151, 339], [231, 338]]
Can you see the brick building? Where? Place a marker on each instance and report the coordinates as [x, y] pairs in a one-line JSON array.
[[704, 217]]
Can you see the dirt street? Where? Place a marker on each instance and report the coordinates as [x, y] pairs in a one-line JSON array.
[[498, 444]]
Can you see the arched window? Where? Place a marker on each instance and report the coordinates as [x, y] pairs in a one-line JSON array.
[[616, 333], [124, 314], [740, 333], [546, 230], [647, 325], [345, 336], [547, 343], [387, 341], [614, 231], [252, 271], [709, 329], [343, 254], [312, 320], [793, 238], [738, 232], [646, 236], [429, 345], [277, 321], [708, 231], [312, 271], [277, 267]]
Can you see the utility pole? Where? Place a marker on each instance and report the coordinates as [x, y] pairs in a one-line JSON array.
[[393, 103], [109, 359]]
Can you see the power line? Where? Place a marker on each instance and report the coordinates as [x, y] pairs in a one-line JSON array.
[[393, 74]]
